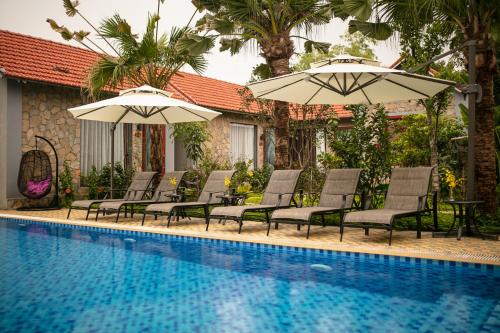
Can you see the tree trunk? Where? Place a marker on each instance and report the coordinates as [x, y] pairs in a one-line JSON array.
[[277, 52], [485, 155], [485, 143], [156, 149]]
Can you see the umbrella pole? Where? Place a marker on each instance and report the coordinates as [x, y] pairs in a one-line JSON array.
[[112, 159], [471, 146]]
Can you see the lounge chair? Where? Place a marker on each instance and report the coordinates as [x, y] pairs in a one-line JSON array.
[[337, 196], [165, 192], [279, 193], [136, 191], [214, 187], [406, 196]]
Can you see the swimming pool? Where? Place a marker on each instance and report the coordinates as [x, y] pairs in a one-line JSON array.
[[60, 278]]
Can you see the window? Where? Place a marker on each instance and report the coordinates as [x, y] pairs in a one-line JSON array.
[[243, 144], [95, 144]]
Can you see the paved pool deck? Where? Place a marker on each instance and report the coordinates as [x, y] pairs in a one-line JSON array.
[[404, 243]]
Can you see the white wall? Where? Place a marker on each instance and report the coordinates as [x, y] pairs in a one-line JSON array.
[[3, 142]]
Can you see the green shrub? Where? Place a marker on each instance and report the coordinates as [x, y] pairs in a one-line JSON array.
[[67, 187], [91, 180], [261, 177]]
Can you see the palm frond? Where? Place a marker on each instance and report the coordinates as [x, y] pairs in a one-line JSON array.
[[118, 30], [70, 7]]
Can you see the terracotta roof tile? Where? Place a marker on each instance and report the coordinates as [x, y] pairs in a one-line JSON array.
[[35, 59]]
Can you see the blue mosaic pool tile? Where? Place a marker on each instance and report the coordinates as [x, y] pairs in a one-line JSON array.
[[58, 278]]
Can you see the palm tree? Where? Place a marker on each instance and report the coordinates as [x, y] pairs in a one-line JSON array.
[[269, 25], [151, 59], [467, 20]]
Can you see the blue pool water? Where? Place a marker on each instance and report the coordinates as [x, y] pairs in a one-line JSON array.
[[56, 278]]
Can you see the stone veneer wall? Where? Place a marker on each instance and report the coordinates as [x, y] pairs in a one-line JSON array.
[[45, 113], [220, 130]]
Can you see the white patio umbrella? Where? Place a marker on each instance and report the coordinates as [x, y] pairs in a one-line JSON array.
[[142, 105], [348, 80]]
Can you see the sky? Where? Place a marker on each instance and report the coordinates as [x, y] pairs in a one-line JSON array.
[[29, 17]]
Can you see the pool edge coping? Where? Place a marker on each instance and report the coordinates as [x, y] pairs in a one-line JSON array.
[[272, 243]]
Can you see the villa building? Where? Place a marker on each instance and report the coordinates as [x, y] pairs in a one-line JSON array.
[[41, 79]]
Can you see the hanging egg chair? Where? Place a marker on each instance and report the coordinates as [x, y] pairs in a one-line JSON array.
[[35, 176]]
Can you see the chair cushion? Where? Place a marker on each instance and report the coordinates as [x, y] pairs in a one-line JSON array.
[[281, 182], [337, 183], [237, 211], [167, 207], [117, 204], [88, 203], [303, 214], [380, 216]]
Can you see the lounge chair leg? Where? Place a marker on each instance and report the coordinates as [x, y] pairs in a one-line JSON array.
[[323, 221], [87, 216], [341, 232], [276, 225], [267, 217], [205, 210], [390, 237], [268, 228], [208, 223], [169, 217], [419, 226], [69, 212], [125, 213], [298, 226], [132, 211], [308, 229], [143, 217], [156, 217], [118, 213], [367, 231], [97, 213], [241, 225]]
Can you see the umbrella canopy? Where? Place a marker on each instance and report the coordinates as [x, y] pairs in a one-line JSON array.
[[143, 105], [348, 80]]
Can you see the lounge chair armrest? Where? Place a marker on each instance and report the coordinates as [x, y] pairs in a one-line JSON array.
[[344, 198], [421, 202], [211, 194], [280, 196]]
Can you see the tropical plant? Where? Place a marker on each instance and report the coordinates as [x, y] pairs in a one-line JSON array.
[[465, 20], [410, 143], [261, 177], [135, 60], [269, 25], [121, 179], [193, 137], [366, 145], [328, 161], [91, 180], [67, 186], [355, 44]]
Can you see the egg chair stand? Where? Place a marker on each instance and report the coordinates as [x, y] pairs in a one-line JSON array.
[[35, 180]]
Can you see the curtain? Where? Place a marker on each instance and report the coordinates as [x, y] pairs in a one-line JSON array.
[[95, 144], [270, 147], [242, 143]]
